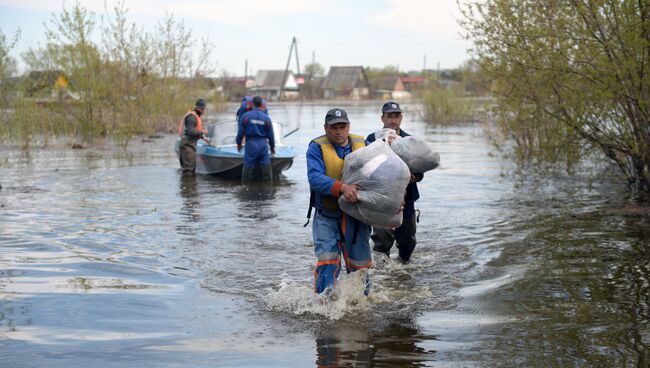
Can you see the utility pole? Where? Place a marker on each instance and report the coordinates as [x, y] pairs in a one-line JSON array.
[[424, 68], [245, 76], [294, 44]]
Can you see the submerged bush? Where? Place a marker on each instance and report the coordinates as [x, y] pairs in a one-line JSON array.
[[133, 82], [442, 105]]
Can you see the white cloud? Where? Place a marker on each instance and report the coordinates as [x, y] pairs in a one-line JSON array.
[[430, 18]]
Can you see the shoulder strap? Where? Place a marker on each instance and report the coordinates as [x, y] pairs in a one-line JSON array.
[[311, 205]]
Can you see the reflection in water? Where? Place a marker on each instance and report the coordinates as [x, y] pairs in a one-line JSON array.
[[189, 192], [353, 345], [585, 295], [189, 211], [256, 200]]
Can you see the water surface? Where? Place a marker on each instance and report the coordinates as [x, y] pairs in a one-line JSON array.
[[111, 258]]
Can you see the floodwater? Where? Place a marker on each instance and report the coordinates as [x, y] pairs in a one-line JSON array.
[[112, 259]]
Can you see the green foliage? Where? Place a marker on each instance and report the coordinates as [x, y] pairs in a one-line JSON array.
[[446, 105], [569, 76], [7, 67], [387, 71], [132, 82], [7, 64], [314, 70]]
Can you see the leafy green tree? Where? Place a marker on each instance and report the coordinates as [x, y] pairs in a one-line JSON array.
[[42, 57], [314, 70], [387, 71], [132, 82], [7, 65], [569, 76], [81, 61]]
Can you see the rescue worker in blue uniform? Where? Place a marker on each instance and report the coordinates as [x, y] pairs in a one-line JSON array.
[[257, 128], [404, 235], [247, 105], [335, 233]]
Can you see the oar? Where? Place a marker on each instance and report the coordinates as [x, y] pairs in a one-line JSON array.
[[290, 133]]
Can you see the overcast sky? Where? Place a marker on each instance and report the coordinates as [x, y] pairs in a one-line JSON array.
[[372, 33]]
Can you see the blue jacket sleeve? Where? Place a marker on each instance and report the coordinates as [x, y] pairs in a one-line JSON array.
[[318, 181], [240, 130]]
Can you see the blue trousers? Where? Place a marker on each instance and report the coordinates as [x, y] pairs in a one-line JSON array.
[[337, 235], [256, 152]]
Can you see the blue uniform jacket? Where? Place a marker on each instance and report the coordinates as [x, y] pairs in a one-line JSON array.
[[249, 100], [319, 183], [412, 193], [254, 124]]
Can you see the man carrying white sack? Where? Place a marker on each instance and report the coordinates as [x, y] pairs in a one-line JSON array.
[[404, 235], [335, 234]]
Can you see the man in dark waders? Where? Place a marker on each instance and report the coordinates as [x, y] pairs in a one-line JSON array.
[[257, 127], [383, 239], [191, 130]]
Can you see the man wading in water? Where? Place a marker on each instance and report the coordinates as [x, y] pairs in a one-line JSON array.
[[391, 116], [334, 232], [191, 130]]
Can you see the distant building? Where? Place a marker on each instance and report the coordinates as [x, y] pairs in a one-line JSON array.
[[52, 83], [389, 87], [268, 84], [313, 88], [346, 82], [236, 88], [449, 84], [413, 83]]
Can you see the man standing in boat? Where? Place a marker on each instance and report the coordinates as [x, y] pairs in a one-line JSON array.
[[335, 234], [191, 130], [257, 128], [247, 105]]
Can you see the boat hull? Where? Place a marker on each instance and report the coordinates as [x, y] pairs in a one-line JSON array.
[[226, 162]]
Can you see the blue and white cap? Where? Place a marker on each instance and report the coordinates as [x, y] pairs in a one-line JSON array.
[[390, 106], [336, 116]]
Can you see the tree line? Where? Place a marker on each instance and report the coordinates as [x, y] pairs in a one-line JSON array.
[[570, 78], [130, 82]]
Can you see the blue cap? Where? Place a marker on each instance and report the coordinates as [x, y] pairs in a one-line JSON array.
[[390, 106]]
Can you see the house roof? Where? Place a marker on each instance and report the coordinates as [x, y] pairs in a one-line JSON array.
[[271, 79], [345, 78], [413, 80], [44, 79], [387, 83], [47, 77]]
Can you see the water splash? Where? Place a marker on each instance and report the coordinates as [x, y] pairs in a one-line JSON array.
[[298, 298]]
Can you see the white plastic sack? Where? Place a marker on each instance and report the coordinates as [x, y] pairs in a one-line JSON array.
[[415, 152], [387, 134], [382, 177]]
